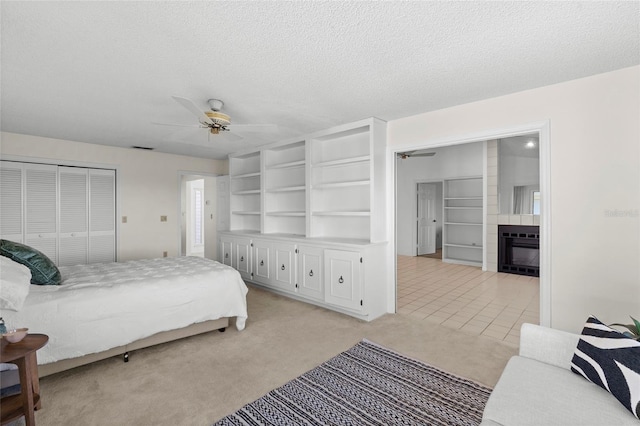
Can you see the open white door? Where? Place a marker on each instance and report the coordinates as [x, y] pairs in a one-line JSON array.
[[426, 221]]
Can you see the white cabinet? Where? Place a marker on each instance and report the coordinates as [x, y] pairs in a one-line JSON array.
[[262, 264], [463, 221], [284, 273], [242, 257], [310, 272], [347, 278], [226, 251], [11, 201], [313, 207], [343, 287], [41, 209], [74, 223]]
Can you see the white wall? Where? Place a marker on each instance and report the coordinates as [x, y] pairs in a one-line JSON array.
[[455, 161], [595, 183], [147, 184]]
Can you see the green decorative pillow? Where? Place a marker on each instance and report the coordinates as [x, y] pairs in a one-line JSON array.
[[43, 270]]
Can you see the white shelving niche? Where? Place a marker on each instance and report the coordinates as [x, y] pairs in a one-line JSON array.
[[346, 174], [246, 194], [285, 189], [463, 221], [312, 203]]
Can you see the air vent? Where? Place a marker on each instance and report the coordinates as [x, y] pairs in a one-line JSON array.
[[146, 148]]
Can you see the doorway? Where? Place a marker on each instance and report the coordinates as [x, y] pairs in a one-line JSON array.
[[398, 248], [429, 219], [198, 213]]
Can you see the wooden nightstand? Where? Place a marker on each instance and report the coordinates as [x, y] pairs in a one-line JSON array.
[[23, 354]]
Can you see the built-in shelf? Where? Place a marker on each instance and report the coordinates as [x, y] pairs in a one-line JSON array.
[[290, 164], [463, 220], [286, 213], [343, 161], [342, 213], [244, 212], [464, 246], [287, 189], [246, 192], [245, 175], [341, 184]]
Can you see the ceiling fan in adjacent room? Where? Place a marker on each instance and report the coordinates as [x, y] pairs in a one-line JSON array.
[[409, 154], [217, 122]]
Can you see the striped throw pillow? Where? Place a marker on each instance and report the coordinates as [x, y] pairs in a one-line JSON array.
[[611, 360]]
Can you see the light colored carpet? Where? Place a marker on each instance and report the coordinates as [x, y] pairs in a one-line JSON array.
[[198, 380]]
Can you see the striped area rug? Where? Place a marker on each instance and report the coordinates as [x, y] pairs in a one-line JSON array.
[[368, 385]]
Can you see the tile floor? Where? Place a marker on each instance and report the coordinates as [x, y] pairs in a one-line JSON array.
[[491, 304]]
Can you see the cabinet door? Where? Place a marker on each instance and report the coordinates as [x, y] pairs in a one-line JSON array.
[[41, 209], [310, 272], [342, 279], [262, 262], [242, 257], [284, 271], [226, 251], [11, 213], [102, 216], [74, 236]]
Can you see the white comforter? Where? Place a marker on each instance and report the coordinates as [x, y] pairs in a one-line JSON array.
[[106, 305]]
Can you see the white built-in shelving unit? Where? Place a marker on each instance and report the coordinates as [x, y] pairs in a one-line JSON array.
[[463, 221], [308, 217]]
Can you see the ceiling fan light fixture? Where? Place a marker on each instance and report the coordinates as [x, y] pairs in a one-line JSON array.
[[218, 118]]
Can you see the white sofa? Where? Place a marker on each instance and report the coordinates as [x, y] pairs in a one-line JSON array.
[[538, 387]]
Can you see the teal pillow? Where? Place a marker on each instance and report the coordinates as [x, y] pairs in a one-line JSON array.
[[43, 270]]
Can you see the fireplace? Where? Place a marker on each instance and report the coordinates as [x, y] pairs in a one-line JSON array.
[[519, 250]]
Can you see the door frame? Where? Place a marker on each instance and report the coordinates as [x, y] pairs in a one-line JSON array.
[[542, 128], [414, 230], [181, 174]]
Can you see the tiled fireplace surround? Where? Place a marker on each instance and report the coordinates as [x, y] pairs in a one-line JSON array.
[[493, 218]]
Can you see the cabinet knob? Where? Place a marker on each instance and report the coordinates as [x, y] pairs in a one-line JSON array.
[[311, 272], [73, 234], [241, 258], [282, 267], [262, 263], [340, 280], [226, 255]]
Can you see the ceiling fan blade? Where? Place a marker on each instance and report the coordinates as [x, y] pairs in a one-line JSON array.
[[257, 128], [188, 104], [423, 154], [178, 125]]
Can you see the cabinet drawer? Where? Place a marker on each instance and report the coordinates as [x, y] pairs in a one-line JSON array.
[[310, 272], [342, 279]]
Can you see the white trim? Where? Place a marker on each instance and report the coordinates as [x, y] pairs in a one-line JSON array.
[[540, 127]]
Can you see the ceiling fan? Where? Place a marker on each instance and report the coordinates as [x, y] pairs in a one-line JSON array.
[[408, 154], [216, 121]]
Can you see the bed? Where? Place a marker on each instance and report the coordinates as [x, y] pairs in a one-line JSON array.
[[107, 309]]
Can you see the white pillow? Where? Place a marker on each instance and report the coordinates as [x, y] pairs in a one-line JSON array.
[[15, 281]]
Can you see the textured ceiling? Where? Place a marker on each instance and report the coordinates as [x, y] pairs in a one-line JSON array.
[[103, 72]]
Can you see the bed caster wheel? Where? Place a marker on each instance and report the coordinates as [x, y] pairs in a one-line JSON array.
[[222, 330], [125, 357]]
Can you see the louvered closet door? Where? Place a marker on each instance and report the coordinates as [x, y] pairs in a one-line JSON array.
[[40, 208], [11, 196], [102, 215], [73, 235]]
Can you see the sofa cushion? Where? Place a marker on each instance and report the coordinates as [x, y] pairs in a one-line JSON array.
[[532, 393], [43, 270], [611, 360]]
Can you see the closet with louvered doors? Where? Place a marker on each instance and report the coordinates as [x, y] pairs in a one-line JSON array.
[[68, 213]]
